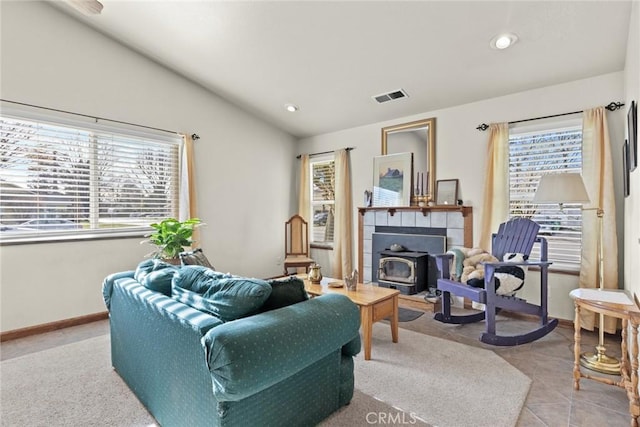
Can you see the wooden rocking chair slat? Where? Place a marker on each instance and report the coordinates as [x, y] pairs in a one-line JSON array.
[[517, 235]]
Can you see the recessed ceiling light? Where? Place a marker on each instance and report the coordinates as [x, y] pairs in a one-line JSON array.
[[88, 7], [503, 41], [291, 108]]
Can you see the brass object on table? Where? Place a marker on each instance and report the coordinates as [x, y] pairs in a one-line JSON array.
[[315, 275]]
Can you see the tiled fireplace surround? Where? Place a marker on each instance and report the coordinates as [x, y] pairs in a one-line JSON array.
[[457, 220]]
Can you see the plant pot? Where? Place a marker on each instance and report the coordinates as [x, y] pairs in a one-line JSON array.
[[172, 261]]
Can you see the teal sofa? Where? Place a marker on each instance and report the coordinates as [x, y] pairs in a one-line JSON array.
[[289, 366]]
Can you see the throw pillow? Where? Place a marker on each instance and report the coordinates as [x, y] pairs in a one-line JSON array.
[[222, 295], [285, 292], [197, 278], [195, 257], [156, 275]]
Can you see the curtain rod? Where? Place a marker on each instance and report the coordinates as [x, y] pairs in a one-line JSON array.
[[193, 136], [299, 156], [612, 106]]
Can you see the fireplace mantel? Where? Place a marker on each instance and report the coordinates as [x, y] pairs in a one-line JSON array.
[[458, 220], [465, 210]]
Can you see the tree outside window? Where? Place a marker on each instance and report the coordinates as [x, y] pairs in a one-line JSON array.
[[322, 202]]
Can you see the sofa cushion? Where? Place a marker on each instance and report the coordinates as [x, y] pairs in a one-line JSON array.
[[222, 295], [285, 292], [156, 275]]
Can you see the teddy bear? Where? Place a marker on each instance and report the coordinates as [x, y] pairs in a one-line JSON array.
[[508, 279], [472, 267]]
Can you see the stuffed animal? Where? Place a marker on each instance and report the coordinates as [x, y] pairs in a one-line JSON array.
[[508, 279], [472, 267]]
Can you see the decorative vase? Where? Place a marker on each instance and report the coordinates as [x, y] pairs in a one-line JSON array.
[[352, 281], [315, 275]]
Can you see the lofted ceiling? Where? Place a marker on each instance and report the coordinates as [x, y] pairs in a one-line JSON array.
[[331, 57]]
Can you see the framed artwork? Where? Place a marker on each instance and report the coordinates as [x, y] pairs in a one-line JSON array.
[[626, 166], [446, 192], [392, 176], [632, 128]]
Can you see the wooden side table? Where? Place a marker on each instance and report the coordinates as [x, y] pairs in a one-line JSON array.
[[375, 303], [618, 304]]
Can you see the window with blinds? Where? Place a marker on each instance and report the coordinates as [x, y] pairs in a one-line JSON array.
[[531, 155], [75, 179], [322, 201]]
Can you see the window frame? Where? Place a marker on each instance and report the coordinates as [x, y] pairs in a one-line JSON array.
[[564, 252], [321, 160], [148, 138]]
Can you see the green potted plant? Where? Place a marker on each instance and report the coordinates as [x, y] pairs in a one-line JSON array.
[[170, 237]]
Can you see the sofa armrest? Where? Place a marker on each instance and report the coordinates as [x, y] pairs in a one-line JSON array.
[[248, 355], [107, 285]]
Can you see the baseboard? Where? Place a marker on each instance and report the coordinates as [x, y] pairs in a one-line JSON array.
[[75, 321], [53, 326]]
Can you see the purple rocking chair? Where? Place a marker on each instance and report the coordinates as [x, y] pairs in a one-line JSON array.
[[517, 235]]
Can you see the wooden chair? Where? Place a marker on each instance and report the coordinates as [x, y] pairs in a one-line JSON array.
[[515, 236], [296, 243]]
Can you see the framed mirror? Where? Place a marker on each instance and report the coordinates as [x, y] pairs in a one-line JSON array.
[[419, 138]]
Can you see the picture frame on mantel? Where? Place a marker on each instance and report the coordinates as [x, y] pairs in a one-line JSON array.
[[446, 192], [392, 175]]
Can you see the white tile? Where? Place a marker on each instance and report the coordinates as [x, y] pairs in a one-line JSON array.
[[439, 219], [381, 218], [455, 237], [366, 262], [369, 218], [367, 232], [367, 246], [455, 220], [423, 220], [366, 276], [395, 220], [408, 219]]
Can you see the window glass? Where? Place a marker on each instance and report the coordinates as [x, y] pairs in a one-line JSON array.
[[322, 201], [60, 179], [554, 149]]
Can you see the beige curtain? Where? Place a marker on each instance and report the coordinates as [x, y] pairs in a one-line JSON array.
[[187, 197], [304, 197], [597, 173], [343, 235], [495, 208]]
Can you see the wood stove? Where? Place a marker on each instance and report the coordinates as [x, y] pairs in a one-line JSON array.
[[405, 271]]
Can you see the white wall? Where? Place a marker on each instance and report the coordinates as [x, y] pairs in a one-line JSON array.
[[244, 166], [632, 203], [460, 150]]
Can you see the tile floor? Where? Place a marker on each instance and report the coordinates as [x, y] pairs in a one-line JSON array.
[[548, 362]]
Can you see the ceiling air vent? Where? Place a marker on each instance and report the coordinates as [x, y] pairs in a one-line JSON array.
[[390, 96]]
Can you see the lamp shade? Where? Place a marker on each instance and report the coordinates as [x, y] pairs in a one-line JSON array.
[[561, 188]]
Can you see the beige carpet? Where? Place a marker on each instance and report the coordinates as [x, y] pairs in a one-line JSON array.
[[442, 382], [420, 378]]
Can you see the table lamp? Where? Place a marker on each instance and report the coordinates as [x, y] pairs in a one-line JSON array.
[[569, 187]]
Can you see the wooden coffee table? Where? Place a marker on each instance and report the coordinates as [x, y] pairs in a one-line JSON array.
[[375, 303]]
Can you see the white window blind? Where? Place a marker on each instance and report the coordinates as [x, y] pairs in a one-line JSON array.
[[60, 177], [554, 149], [322, 201]]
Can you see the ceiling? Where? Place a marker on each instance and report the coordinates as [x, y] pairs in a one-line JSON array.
[[329, 58]]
